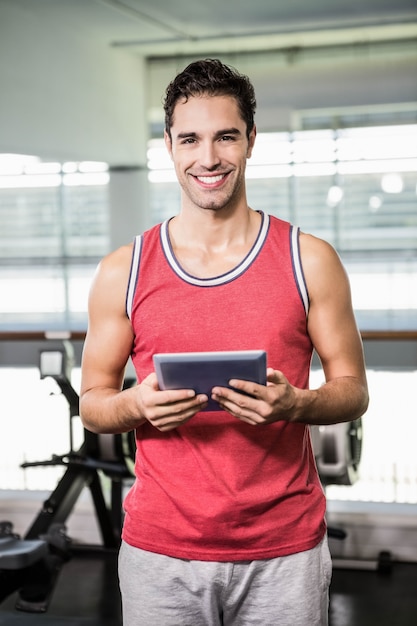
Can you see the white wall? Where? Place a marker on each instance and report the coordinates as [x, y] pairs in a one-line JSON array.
[[287, 81], [66, 96]]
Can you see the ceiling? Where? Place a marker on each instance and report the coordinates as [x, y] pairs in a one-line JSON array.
[[172, 27], [235, 25], [78, 60]]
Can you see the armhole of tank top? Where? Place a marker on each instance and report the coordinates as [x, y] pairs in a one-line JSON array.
[[133, 276], [298, 268]]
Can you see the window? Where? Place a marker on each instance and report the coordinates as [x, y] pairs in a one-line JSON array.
[[55, 228], [353, 187], [388, 468]]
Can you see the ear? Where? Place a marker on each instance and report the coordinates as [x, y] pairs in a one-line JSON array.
[[168, 143], [251, 142]]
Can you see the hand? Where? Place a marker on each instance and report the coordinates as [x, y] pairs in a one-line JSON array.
[[264, 405], [167, 409]]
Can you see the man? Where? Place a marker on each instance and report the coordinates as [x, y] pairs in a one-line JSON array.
[[225, 521]]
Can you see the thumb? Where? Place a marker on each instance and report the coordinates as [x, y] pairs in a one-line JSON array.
[[152, 381], [274, 377]]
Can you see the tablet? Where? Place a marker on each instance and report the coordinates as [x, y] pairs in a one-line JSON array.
[[202, 371]]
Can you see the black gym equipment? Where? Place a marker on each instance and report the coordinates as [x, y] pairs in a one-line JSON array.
[[338, 452], [337, 449], [30, 565]]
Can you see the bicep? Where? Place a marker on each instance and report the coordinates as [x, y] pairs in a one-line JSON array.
[[109, 336], [331, 321]]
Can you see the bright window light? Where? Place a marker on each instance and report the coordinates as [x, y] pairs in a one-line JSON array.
[[375, 203], [158, 157], [78, 179], [16, 163], [388, 467], [271, 149], [32, 295], [387, 472], [392, 183], [22, 171], [79, 289], [269, 171], [30, 180], [162, 176], [43, 168], [334, 195], [314, 151], [93, 166], [69, 167], [377, 166], [389, 291]]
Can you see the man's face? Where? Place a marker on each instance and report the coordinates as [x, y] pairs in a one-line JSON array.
[[209, 148]]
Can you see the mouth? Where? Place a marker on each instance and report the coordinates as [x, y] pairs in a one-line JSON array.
[[214, 180]]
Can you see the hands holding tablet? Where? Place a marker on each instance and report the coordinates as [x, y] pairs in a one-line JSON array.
[[187, 383], [170, 408], [259, 404]]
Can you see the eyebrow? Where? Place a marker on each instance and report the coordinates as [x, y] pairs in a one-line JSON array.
[[228, 131], [219, 133]]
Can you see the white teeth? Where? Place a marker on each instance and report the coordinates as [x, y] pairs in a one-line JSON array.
[[210, 180]]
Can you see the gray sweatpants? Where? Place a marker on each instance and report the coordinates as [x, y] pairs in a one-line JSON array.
[[158, 590]]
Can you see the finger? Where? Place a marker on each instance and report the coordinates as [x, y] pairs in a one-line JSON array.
[[238, 386], [151, 380], [243, 414], [177, 412], [176, 396], [178, 408], [241, 406], [275, 376]]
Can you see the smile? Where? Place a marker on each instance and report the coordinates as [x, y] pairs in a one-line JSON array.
[[210, 180]]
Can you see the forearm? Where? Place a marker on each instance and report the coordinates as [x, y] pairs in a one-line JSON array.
[[340, 400], [104, 410]]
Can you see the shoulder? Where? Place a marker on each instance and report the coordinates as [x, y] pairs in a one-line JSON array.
[[112, 276], [322, 266], [116, 264], [316, 251]]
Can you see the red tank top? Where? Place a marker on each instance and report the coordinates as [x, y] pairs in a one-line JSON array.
[[216, 488]]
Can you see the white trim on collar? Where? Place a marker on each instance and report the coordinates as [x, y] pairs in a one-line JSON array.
[[223, 278]]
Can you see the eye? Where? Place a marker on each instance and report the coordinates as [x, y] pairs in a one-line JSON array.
[[188, 140], [226, 138]]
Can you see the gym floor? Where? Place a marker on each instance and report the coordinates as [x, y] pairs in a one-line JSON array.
[[86, 594]]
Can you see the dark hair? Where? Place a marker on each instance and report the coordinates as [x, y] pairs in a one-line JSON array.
[[214, 78]]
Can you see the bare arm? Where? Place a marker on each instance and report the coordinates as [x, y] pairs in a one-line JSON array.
[[104, 407], [335, 336], [333, 331], [106, 350]]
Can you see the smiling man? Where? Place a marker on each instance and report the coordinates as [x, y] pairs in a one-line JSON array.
[[210, 159], [225, 523]]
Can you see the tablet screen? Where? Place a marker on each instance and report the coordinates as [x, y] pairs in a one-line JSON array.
[[202, 371]]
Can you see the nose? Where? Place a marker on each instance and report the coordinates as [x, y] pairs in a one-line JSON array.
[[208, 155]]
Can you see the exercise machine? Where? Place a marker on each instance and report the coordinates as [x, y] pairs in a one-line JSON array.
[[31, 564], [338, 452]]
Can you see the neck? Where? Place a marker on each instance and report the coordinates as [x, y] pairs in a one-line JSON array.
[[217, 227], [210, 246]]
